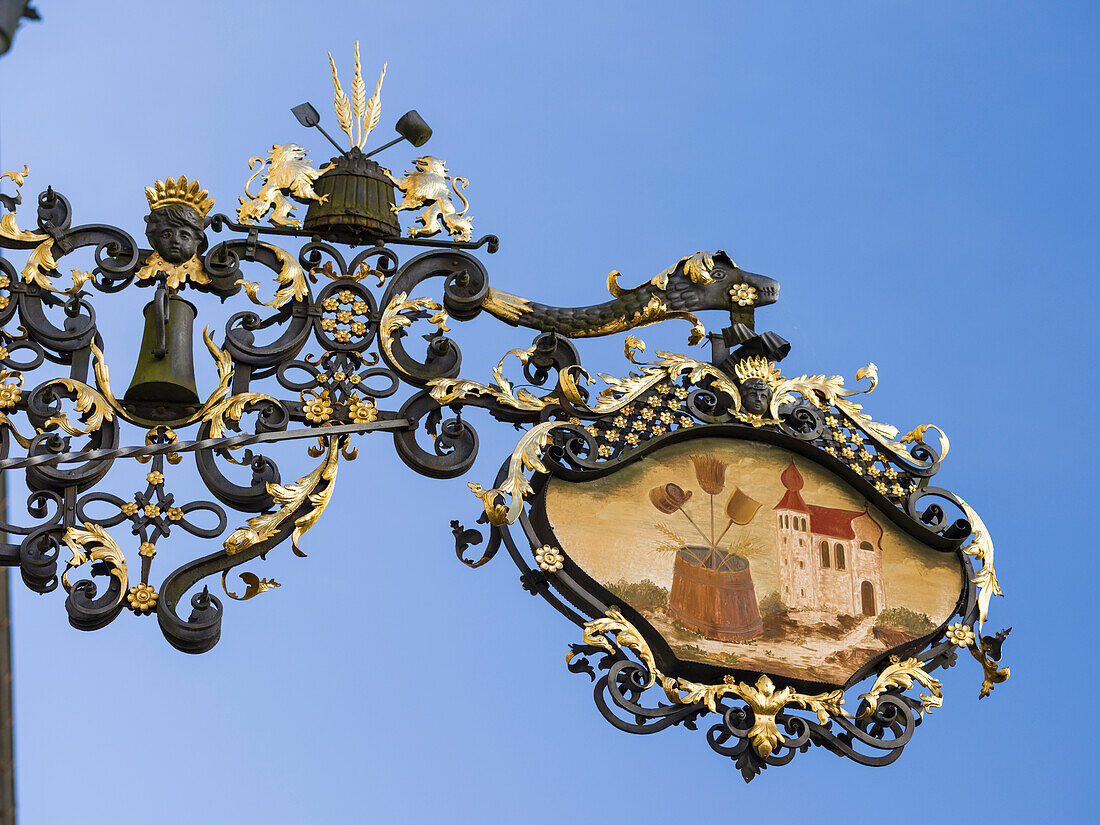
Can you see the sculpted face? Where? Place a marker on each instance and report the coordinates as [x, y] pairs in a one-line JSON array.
[[175, 233], [755, 396]]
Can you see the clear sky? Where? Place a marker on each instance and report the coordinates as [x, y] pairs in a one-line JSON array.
[[922, 180]]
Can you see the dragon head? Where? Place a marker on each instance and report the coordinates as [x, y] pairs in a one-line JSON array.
[[713, 281]]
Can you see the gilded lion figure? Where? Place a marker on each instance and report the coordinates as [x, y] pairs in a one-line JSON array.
[[287, 172], [427, 185]]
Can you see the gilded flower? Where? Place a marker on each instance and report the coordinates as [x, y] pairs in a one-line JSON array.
[[632, 438], [129, 508], [328, 324], [686, 422], [147, 549], [331, 304], [175, 513], [604, 450], [831, 450], [342, 336], [638, 425], [831, 420], [614, 435], [710, 473], [3, 353], [155, 477], [142, 598], [317, 409], [874, 472], [151, 511], [628, 409], [592, 429], [339, 375], [549, 559], [343, 316], [857, 439], [837, 435], [355, 379], [619, 421], [359, 307], [663, 388], [358, 328], [5, 281], [897, 490], [866, 456], [891, 473], [960, 634], [743, 294], [657, 429], [880, 486], [362, 411], [847, 452], [9, 395], [680, 392], [346, 296], [669, 498], [4, 301], [647, 413], [666, 417]]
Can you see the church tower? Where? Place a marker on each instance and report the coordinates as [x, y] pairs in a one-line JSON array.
[[798, 584]]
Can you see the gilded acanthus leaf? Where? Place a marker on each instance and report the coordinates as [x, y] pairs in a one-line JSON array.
[[526, 457], [448, 390], [92, 543], [901, 673], [395, 317], [294, 285], [980, 547], [289, 498], [596, 633]]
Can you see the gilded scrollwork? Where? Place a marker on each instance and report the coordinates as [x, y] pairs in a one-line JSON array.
[[449, 390], [765, 700], [314, 490], [92, 543], [526, 457], [254, 586], [902, 673], [400, 313], [292, 280]]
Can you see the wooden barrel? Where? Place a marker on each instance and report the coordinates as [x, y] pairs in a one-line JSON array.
[[719, 604], [358, 207]]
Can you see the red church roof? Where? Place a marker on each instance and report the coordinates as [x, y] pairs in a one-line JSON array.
[[829, 521], [792, 499]]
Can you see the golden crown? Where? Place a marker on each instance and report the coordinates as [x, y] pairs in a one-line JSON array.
[[756, 366], [166, 192]]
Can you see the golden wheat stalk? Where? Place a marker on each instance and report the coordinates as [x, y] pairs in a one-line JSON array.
[[343, 105], [358, 98], [374, 108]]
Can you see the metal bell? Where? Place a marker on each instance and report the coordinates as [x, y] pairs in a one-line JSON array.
[[163, 388]]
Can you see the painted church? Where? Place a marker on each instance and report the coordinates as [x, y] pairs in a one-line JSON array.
[[829, 559]]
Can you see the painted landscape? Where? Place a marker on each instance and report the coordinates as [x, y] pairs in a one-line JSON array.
[[743, 555]]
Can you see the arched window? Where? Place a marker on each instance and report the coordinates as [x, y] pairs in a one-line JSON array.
[[824, 554], [866, 545], [840, 557], [803, 524]]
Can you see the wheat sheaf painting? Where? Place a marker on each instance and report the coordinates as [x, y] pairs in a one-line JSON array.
[[744, 555]]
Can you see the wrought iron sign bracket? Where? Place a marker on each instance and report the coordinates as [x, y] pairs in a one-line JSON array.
[[829, 512]]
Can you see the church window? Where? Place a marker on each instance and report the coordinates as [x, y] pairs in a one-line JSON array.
[[803, 524], [866, 545], [824, 554], [839, 557]]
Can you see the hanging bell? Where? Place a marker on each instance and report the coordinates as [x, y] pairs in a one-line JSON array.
[[164, 388]]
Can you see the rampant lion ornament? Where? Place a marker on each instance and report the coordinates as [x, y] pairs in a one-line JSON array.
[[285, 172], [427, 184]]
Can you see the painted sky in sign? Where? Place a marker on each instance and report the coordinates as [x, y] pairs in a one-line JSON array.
[[921, 180]]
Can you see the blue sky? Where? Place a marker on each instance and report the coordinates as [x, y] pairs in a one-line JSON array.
[[921, 179]]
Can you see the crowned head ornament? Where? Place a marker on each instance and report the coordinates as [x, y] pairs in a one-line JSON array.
[[186, 193]]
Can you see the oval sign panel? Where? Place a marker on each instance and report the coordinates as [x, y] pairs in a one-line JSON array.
[[744, 556]]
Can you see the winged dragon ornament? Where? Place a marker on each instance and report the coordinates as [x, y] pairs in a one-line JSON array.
[[333, 356]]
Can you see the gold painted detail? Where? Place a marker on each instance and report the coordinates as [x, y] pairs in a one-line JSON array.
[[316, 489], [826, 392], [396, 316], [505, 306], [426, 185], [980, 547], [698, 267], [172, 191], [292, 280], [190, 271], [527, 456], [254, 586], [285, 171], [901, 673], [92, 543], [357, 116], [549, 559], [142, 598], [763, 697], [448, 390]]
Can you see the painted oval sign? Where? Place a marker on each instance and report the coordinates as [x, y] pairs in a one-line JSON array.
[[744, 556]]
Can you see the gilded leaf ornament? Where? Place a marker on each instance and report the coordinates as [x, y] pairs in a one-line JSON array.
[[763, 697], [901, 673], [92, 543], [449, 390], [526, 457]]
